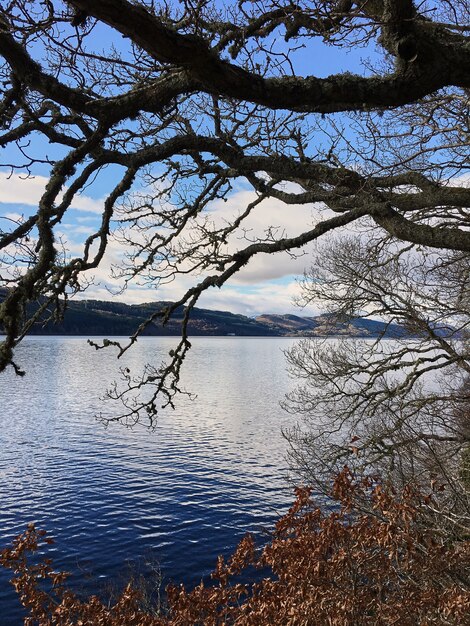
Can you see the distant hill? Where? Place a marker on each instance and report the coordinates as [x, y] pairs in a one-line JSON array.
[[98, 318], [330, 324]]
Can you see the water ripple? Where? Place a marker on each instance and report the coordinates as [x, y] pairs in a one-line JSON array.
[[179, 496]]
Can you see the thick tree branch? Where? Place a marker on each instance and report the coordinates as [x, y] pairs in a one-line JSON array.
[[335, 93]]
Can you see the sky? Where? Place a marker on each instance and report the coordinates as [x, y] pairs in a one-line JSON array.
[[269, 284], [266, 285]]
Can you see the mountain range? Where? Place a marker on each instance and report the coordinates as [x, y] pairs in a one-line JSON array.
[[98, 317]]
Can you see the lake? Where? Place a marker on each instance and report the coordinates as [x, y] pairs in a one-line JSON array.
[[117, 499]]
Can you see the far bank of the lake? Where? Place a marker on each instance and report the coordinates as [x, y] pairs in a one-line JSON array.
[[99, 317]]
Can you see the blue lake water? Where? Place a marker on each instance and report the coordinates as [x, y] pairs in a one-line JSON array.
[[116, 497]]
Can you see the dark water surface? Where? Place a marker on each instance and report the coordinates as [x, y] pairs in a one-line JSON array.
[[178, 496]]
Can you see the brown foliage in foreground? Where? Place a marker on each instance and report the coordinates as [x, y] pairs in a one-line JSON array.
[[330, 569]]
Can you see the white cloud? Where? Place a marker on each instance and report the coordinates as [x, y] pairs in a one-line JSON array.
[[266, 284], [18, 189], [288, 220], [263, 298], [268, 221], [271, 266], [83, 219], [237, 296], [72, 230]]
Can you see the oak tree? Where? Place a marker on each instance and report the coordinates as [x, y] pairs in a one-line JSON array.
[[173, 104]]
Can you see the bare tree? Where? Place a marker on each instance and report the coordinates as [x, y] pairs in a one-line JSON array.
[[183, 101], [398, 407]]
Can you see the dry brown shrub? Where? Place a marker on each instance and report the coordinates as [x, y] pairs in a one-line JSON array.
[[333, 568]]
